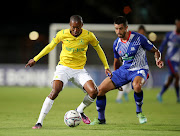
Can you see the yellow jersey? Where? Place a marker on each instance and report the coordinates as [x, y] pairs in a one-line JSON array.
[[74, 49]]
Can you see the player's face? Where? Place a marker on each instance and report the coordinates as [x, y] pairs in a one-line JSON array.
[[178, 26], [75, 28], [120, 30]]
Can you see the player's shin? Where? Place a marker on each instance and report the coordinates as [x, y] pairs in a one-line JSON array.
[[45, 109], [163, 90], [101, 105], [86, 102], [139, 101]]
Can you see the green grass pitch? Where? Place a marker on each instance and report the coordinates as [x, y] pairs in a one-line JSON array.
[[20, 107]]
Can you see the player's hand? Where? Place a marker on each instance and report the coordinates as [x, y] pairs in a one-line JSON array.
[[30, 63], [160, 63], [108, 72]]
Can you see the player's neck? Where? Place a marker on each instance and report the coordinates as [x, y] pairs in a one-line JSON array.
[[126, 37], [76, 35]]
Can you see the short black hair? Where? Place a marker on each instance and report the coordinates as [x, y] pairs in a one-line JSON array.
[[142, 27], [121, 20], [76, 18]]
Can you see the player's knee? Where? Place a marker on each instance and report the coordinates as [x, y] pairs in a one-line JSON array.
[[93, 93], [137, 87], [100, 91], [56, 88]]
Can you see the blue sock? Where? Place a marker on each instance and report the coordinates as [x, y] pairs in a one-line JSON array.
[[163, 90], [139, 101], [101, 105], [177, 92]]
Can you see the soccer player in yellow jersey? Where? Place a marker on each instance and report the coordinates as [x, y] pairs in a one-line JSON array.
[[71, 66]]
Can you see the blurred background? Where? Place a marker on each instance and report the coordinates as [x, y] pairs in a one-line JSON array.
[[22, 19]]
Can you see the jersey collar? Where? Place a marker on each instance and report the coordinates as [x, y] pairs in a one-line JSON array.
[[127, 39]]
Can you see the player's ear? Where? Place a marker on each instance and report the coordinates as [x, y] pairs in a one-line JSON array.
[[81, 25], [70, 23], [126, 28]]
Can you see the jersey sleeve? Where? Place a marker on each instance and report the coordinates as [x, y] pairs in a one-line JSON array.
[[58, 37], [102, 56], [145, 43], [45, 51], [95, 43], [93, 40], [50, 46], [116, 55], [164, 43]]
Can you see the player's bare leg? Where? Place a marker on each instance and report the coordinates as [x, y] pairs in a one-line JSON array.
[[138, 83], [104, 87], [92, 92], [91, 89], [57, 87], [138, 96]]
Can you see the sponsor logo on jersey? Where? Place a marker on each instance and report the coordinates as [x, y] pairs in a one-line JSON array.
[[126, 57], [74, 49]]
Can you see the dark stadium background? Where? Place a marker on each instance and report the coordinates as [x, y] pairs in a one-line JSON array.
[[19, 18]]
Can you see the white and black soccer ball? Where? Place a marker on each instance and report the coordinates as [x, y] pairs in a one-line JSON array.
[[72, 118]]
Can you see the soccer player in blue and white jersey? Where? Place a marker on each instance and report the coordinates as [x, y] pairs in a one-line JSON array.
[[127, 88], [172, 40], [130, 47]]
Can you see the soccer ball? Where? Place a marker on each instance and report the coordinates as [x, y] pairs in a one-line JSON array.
[[72, 118]]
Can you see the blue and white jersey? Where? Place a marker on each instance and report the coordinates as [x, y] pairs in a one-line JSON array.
[[172, 40], [133, 52]]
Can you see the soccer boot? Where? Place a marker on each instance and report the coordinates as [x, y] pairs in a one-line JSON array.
[[98, 121], [85, 119], [142, 118], [159, 98], [37, 126]]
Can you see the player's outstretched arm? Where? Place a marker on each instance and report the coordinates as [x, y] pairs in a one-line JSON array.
[[30, 63], [95, 43], [102, 57], [45, 51]]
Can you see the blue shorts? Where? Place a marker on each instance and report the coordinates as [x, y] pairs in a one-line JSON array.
[[172, 66], [123, 76]]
